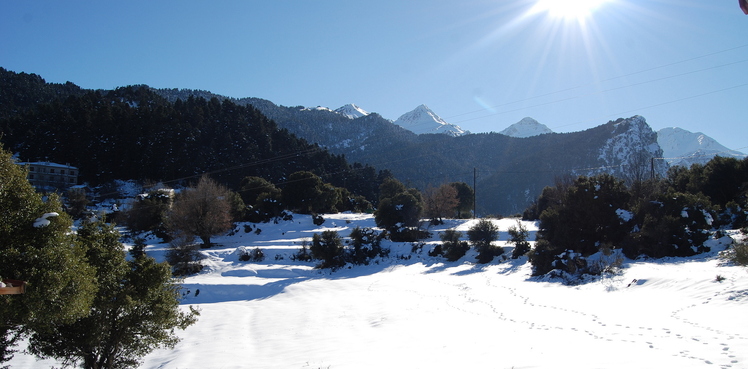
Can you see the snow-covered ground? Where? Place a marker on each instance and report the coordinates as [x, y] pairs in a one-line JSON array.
[[415, 311]]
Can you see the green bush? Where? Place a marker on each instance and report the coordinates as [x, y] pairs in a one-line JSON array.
[[328, 247], [587, 215], [365, 245], [149, 214], [255, 255], [399, 211], [542, 257], [518, 236], [452, 247], [675, 224], [303, 254], [481, 235]]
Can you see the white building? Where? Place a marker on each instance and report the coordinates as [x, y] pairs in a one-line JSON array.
[[46, 175]]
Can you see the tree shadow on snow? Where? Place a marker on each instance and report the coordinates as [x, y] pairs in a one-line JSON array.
[[199, 293]]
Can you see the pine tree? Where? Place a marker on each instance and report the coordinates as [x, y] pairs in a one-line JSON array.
[[135, 310], [37, 247]]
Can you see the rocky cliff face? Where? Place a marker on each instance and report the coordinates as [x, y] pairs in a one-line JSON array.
[[629, 151]]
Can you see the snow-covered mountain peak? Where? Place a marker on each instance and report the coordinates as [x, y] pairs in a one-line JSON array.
[[423, 120], [683, 147], [632, 143], [527, 127], [351, 111]]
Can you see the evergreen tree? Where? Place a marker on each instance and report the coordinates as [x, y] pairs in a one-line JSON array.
[[481, 235], [399, 210], [518, 236], [328, 247], [150, 212], [135, 310], [37, 247], [675, 224], [262, 198], [303, 191], [587, 215], [366, 244]]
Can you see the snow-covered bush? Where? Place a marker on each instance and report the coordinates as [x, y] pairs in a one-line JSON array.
[[303, 254], [255, 255], [452, 247], [318, 220], [675, 224], [328, 247], [365, 245]]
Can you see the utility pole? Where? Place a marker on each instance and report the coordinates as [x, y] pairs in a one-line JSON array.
[[475, 176], [652, 165]]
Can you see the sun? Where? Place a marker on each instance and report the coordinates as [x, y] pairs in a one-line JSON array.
[[568, 9]]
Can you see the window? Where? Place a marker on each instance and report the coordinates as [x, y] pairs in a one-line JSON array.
[[31, 169], [72, 172], [72, 180], [31, 176], [52, 170], [62, 171]]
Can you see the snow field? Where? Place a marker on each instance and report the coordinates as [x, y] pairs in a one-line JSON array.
[[423, 312]]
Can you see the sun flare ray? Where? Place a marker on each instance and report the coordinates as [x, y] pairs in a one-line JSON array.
[[577, 10]]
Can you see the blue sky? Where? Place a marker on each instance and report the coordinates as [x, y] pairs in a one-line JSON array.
[[480, 64]]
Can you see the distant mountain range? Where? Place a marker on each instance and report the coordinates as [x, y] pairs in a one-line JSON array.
[[510, 168], [679, 146]]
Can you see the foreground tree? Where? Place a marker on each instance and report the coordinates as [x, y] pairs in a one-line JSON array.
[[37, 247], [203, 211], [135, 311]]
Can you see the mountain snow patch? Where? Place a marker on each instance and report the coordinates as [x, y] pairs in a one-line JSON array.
[[423, 120], [527, 127]]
